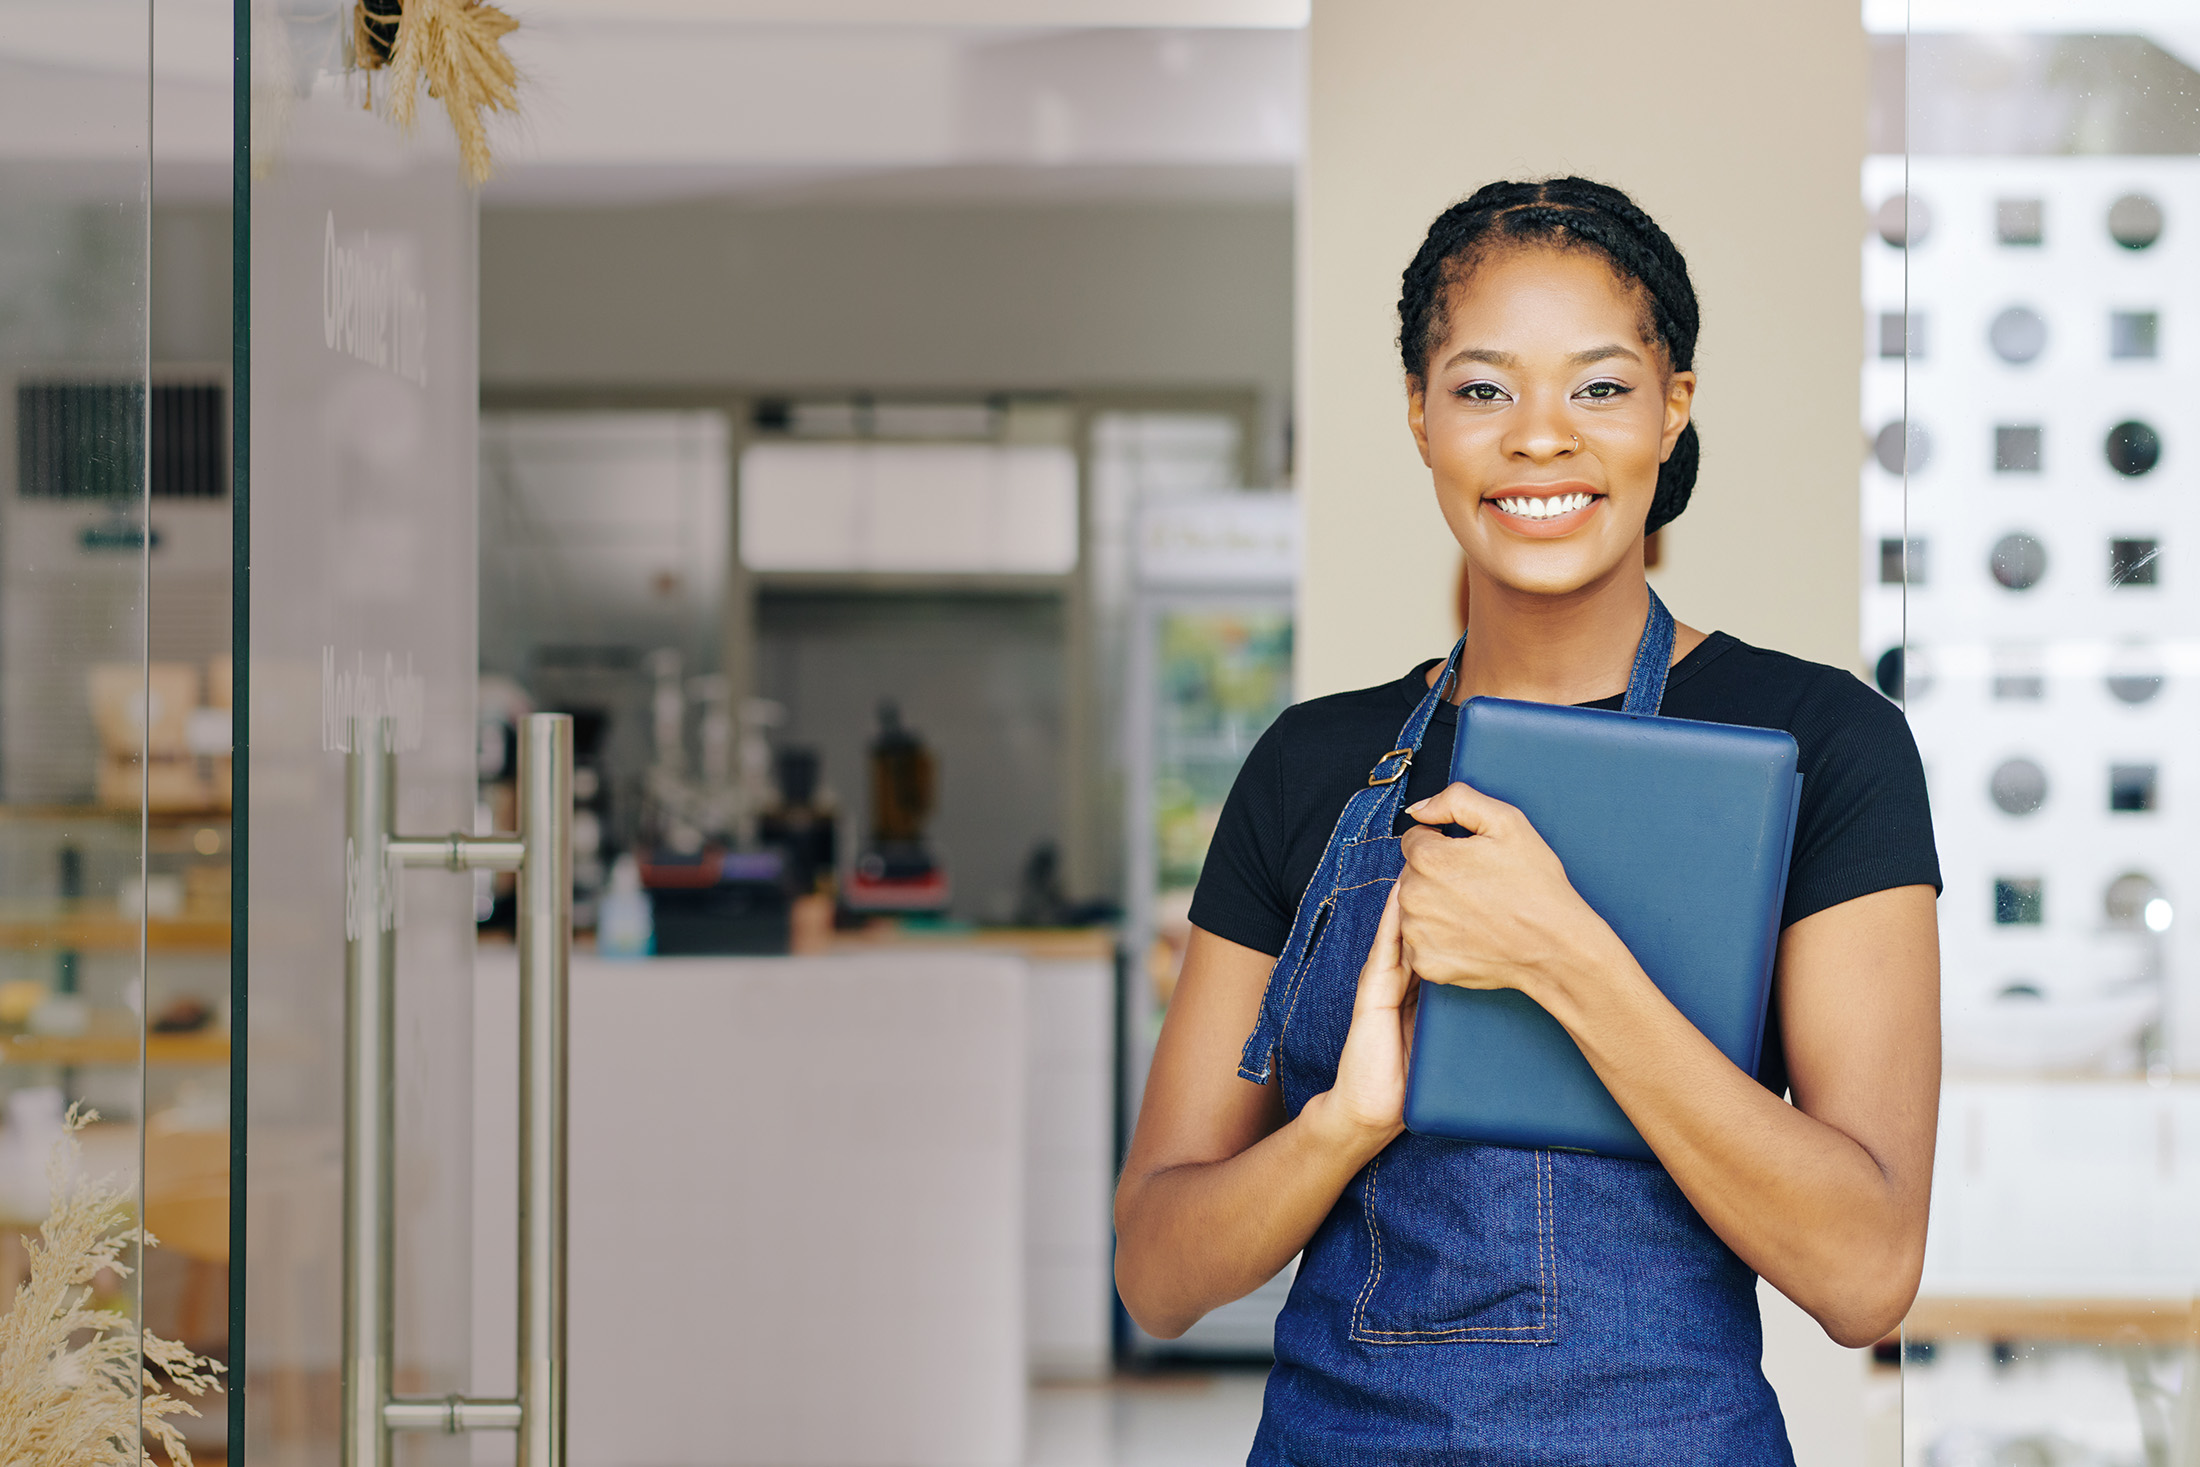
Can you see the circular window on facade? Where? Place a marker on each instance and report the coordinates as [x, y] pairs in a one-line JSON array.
[[1903, 220], [2133, 449], [2018, 561], [2134, 675], [1903, 675], [2134, 221], [2135, 899], [2019, 786], [2018, 334], [1890, 447]]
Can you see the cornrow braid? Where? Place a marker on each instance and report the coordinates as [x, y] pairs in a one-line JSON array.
[[1564, 213]]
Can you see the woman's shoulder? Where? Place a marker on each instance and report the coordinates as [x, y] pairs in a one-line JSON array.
[[1372, 712], [1819, 704]]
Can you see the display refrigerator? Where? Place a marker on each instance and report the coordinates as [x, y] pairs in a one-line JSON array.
[[1209, 666]]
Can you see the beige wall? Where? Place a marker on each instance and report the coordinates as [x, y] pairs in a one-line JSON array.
[[1740, 126]]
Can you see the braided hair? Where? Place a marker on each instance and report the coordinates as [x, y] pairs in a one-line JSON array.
[[1561, 213]]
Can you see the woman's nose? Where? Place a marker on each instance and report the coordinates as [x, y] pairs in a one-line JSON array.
[[1543, 439]]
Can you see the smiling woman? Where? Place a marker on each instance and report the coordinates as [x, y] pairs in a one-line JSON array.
[[1548, 335]]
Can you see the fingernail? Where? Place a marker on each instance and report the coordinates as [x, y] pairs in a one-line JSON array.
[[1415, 807]]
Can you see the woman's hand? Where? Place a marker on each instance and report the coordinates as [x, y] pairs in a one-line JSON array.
[[1494, 910], [1370, 1093]]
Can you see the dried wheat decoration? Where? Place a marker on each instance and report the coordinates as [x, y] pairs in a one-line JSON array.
[[73, 1389], [455, 46]]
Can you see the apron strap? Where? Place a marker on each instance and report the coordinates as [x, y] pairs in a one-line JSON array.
[[1645, 692], [1653, 661]]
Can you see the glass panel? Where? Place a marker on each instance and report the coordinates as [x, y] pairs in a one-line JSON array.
[[362, 320], [1203, 573], [77, 715], [2044, 265]]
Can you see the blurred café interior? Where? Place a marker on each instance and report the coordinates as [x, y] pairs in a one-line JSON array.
[[921, 447]]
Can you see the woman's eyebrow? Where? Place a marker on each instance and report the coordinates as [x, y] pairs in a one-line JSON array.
[[1507, 359], [1486, 357]]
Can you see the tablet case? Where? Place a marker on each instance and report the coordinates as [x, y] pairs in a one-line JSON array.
[[1678, 834]]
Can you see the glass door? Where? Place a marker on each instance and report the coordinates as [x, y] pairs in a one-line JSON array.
[[356, 665], [84, 728], [2034, 301]]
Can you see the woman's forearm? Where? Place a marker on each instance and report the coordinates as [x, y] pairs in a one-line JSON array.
[[1803, 1203], [1195, 1236]]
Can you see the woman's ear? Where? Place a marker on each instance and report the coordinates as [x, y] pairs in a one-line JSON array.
[[1416, 408], [1680, 403]]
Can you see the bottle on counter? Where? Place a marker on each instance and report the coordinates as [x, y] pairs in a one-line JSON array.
[[624, 927]]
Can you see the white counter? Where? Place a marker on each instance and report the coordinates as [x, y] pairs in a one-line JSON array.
[[831, 1210]]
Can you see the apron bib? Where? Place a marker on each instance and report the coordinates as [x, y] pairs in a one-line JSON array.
[[1480, 1304]]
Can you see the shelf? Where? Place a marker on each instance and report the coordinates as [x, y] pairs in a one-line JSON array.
[[96, 933], [114, 1049], [102, 815], [2071, 1321]]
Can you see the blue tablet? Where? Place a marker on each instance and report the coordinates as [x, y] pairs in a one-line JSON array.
[[1678, 834]]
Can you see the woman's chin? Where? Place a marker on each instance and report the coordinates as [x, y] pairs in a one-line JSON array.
[[1551, 570]]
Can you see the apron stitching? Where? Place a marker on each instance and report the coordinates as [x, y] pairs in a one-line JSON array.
[[1360, 1331], [1550, 1200], [1375, 1244], [1314, 936]]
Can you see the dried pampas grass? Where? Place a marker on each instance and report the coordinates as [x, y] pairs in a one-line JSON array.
[[452, 45], [73, 1389]]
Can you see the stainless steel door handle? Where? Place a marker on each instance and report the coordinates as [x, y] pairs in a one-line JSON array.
[[542, 854]]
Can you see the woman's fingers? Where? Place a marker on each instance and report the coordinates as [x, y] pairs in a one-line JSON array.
[[1384, 976], [1465, 806]]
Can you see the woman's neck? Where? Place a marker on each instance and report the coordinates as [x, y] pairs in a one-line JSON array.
[[1574, 648]]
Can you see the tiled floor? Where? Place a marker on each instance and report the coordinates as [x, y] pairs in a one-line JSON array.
[[1146, 1421]]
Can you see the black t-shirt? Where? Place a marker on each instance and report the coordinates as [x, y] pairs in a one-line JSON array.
[[1864, 824]]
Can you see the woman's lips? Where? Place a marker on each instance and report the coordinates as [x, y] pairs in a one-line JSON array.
[[1544, 516]]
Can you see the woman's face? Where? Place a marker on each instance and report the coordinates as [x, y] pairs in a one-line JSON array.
[[1544, 418]]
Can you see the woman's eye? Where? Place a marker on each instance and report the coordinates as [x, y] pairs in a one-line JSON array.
[[1480, 392], [1600, 391]]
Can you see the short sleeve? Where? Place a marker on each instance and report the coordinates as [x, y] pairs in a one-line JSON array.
[[1866, 824], [1241, 894]]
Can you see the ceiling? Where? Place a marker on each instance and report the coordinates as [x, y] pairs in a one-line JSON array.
[[768, 101]]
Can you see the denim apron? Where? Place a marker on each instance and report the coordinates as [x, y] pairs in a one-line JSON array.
[[1481, 1304]]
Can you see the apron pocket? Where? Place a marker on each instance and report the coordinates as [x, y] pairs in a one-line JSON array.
[[1459, 1246]]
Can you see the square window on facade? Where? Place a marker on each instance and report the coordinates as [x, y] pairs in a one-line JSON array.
[[1901, 561], [1897, 329], [2131, 787], [2016, 449], [2133, 562], [2134, 334], [2019, 221], [2019, 901]]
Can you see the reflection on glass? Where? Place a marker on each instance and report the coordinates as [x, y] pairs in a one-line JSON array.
[[2018, 561], [2054, 1322], [1897, 448], [1903, 220], [2018, 334], [78, 905], [2134, 562], [2017, 449], [2135, 221], [2019, 221], [363, 460], [2019, 786], [2134, 674], [2134, 335], [2133, 449]]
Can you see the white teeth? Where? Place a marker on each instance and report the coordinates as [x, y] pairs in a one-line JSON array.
[[1543, 509]]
